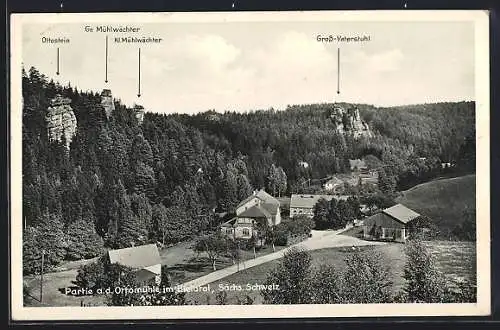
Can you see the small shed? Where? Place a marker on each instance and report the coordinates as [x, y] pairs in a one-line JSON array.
[[390, 224], [144, 259]]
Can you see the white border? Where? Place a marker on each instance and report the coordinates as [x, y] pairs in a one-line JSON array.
[[479, 18]]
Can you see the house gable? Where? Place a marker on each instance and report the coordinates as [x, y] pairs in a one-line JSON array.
[[382, 220], [257, 198], [247, 203]]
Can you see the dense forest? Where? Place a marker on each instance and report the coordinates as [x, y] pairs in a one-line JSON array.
[[122, 183]]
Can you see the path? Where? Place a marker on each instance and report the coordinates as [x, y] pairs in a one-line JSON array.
[[319, 240]]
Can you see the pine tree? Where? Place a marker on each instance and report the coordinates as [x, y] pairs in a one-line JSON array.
[[244, 187], [386, 182], [273, 179], [144, 179], [83, 241], [229, 199], [292, 276], [325, 284], [48, 238], [125, 229], [424, 284], [365, 279], [143, 212], [281, 180]]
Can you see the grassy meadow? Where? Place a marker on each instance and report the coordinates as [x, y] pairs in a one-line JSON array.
[[457, 260], [444, 201]]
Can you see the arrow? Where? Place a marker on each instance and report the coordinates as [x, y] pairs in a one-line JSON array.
[[57, 72], [338, 70], [106, 79], [139, 85]]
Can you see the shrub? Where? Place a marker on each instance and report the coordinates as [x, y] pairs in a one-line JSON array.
[[92, 275], [245, 300], [120, 276], [325, 285], [365, 279], [292, 276], [423, 281], [221, 297], [166, 298], [281, 235], [300, 226]]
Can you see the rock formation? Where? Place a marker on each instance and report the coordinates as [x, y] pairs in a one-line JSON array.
[[107, 102], [349, 121], [61, 120], [139, 113]]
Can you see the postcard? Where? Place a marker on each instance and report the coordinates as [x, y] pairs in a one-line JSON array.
[[230, 165]]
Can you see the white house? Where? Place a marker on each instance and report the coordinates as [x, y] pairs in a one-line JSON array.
[[258, 210]]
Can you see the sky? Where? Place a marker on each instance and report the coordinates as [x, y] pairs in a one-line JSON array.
[[241, 66]]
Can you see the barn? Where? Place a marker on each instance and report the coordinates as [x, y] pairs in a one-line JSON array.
[[392, 223]]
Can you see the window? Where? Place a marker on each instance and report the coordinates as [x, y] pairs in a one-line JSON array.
[[246, 232]]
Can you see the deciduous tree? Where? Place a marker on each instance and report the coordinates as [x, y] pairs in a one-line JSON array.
[[213, 245]]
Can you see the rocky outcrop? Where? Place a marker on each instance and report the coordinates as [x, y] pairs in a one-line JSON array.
[[60, 120], [107, 102], [139, 113], [348, 121]]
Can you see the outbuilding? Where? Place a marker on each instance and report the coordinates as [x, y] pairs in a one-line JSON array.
[[144, 259], [392, 224]]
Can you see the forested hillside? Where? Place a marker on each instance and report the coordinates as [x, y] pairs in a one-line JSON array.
[[123, 183]]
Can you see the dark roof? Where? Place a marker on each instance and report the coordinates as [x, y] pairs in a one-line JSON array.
[[262, 195], [271, 208], [255, 211], [136, 257], [401, 213]]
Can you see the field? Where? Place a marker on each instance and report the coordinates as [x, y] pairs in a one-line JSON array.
[[184, 265], [457, 260], [444, 201]]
